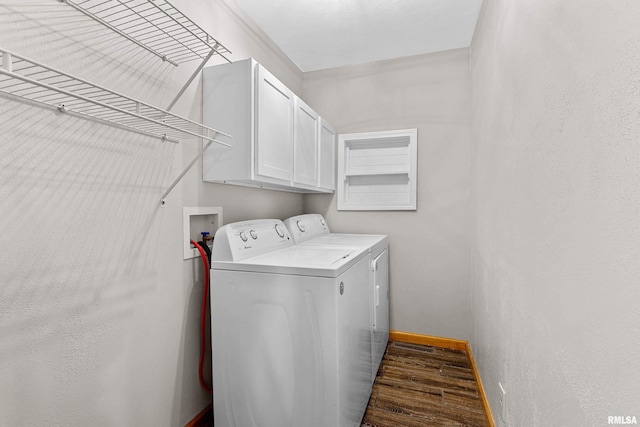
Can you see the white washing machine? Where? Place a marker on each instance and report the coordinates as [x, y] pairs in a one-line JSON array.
[[312, 229], [290, 330]]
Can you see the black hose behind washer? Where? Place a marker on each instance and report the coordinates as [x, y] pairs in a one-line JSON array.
[[206, 248]]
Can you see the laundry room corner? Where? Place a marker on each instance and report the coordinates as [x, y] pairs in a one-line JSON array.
[[429, 247]]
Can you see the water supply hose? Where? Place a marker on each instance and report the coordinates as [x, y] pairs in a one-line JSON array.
[[205, 265]]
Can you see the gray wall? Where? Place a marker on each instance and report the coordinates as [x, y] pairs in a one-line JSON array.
[[430, 291], [556, 203], [98, 311]]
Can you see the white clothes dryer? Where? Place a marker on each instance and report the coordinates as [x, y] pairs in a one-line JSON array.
[[290, 330], [312, 229]]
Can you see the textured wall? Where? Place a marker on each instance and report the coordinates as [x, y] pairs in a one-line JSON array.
[[98, 311], [556, 202], [430, 291]]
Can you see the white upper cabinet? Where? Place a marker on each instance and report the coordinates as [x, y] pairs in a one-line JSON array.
[[305, 153], [276, 136]]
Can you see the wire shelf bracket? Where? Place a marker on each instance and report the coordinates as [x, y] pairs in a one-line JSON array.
[[158, 27]]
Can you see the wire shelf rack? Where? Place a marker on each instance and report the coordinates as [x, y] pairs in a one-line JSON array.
[[27, 80], [155, 25]]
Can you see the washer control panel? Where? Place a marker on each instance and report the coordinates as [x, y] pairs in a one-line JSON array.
[[240, 240]]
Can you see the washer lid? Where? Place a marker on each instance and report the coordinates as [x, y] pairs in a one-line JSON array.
[[305, 260]]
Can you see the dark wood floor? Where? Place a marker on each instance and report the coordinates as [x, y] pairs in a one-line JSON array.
[[420, 386], [205, 421]]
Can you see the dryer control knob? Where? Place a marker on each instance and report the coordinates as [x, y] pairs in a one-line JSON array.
[[279, 230], [243, 236], [253, 234], [301, 226]]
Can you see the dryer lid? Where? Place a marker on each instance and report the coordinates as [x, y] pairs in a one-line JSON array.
[[369, 241]]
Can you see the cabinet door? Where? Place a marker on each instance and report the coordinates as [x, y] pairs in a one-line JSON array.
[[327, 156], [274, 128], [305, 149]]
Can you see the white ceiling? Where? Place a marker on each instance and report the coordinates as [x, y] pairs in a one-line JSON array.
[[319, 34]]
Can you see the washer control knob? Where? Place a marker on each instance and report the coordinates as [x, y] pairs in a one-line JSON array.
[[301, 226], [253, 234], [279, 230], [243, 236]]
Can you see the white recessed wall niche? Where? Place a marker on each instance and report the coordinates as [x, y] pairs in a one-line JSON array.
[[378, 170]]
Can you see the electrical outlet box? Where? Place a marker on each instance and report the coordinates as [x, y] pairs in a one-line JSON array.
[[195, 220], [502, 402]]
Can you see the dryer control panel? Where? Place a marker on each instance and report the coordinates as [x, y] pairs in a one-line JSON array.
[[241, 240], [306, 227]]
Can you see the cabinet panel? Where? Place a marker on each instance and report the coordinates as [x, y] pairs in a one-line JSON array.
[[228, 102], [305, 152], [326, 157], [274, 128]]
